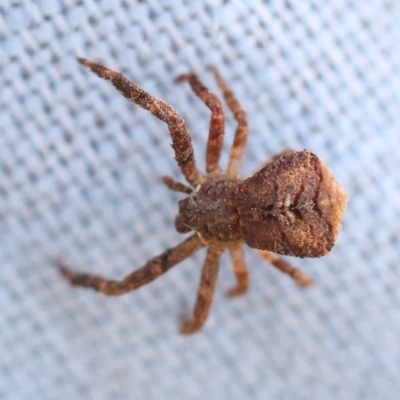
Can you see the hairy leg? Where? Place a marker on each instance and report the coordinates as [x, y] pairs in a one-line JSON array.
[[205, 292], [239, 142], [299, 276], [181, 140], [217, 123], [148, 273], [176, 186], [241, 273]]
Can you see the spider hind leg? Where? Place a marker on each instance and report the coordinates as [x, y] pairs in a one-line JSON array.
[[300, 277], [241, 272]]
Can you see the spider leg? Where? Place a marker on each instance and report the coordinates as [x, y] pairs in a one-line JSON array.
[[205, 292], [239, 142], [299, 276], [240, 270], [181, 140], [149, 272], [176, 186], [217, 122]]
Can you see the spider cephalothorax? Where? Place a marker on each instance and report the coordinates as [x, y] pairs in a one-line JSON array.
[[291, 206]]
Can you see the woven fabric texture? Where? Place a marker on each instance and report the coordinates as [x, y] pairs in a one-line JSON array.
[[79, 181]]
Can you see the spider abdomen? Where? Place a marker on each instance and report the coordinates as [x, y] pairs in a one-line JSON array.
[[293, 206]]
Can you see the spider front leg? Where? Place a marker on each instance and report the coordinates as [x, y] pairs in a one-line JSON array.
[[240, 270], [205, 292], [239, 142], [217, 122], [299, 276], [148, 273], [181, 140], [176, 186]]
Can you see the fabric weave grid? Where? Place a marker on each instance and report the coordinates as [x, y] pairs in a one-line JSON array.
[[79, 180]]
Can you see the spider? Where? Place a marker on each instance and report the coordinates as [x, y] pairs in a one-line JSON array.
[[291, 206]]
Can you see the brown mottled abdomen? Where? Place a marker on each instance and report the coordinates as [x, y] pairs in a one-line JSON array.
[[293, 206]]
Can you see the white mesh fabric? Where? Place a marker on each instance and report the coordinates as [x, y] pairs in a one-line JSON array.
[[79, 181]]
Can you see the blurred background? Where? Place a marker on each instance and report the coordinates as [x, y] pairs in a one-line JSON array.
[[79, 181]]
